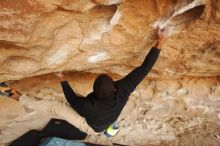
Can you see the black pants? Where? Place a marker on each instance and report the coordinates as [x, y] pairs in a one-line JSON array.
[[55, 128]]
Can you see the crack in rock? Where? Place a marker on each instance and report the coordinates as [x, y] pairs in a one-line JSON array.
[[185, 14]]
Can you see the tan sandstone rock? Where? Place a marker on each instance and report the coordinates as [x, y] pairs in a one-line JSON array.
[[178, 103], [109, 35]]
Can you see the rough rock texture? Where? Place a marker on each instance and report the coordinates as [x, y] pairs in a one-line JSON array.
[[113, 36], [161, 111], [179, 102]]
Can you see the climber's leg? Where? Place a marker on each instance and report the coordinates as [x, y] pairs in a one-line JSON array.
[[53, 106]]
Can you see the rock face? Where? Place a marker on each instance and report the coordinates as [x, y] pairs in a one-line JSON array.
[[182, 93], [110, 36]]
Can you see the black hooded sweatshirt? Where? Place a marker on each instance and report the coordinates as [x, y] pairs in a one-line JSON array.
[[99, 114]]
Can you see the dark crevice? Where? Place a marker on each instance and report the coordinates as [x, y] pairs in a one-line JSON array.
[[188, 16]]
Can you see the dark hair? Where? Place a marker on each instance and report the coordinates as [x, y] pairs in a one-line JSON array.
[[104, 86]]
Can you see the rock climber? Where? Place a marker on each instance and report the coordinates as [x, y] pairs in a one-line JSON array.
[[102, 107], [99, 110]]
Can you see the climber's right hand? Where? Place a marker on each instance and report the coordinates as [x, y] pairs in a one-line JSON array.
[[160, 38], [60, 75]]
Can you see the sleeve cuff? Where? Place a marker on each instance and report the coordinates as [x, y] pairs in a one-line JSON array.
[[64, 82], [154, 48]]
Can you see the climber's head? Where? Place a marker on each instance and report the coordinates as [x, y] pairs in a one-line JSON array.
[[104, 87]]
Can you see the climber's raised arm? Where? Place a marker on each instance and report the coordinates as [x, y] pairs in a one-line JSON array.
[[130, 81]]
